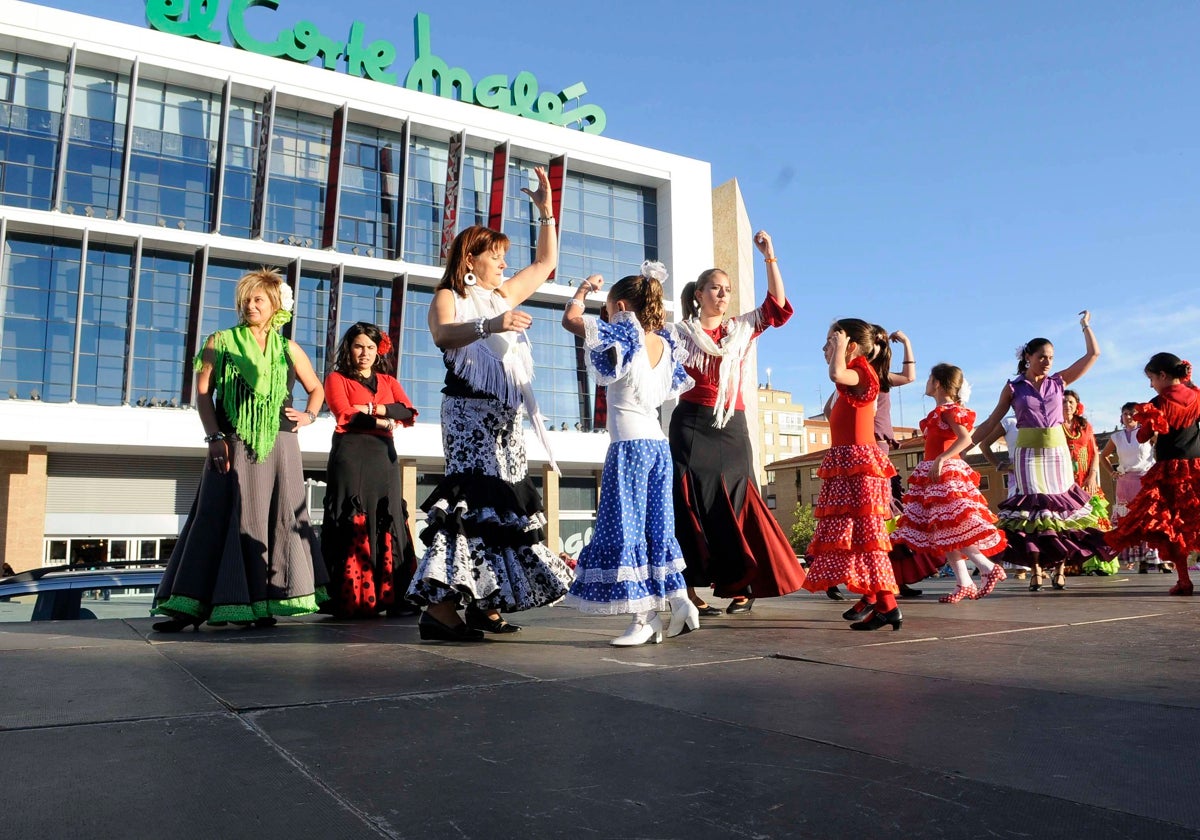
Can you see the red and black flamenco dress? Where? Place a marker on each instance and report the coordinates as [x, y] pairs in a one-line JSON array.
[[851, 544], [1166, 511]]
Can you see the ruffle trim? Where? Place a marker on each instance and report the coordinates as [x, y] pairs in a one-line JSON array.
[[863, 573], [625, 607], [855, 459], [179, 606], [863, 394], [1166, 512]]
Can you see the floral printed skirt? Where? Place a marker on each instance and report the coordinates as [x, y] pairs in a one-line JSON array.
[[483, 536]]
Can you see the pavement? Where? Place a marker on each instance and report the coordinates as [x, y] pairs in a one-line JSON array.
[[1070, 714]]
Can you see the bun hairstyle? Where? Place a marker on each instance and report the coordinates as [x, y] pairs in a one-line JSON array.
[[861, 333], [1171, 365], [950, 378], [644, 293], [882, 360], [687, 298], [1029, 349], [471, 242], [343, 363]]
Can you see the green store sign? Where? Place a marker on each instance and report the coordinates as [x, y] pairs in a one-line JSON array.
[[303, 42]]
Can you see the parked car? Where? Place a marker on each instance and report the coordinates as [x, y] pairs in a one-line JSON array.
[[114, 590]]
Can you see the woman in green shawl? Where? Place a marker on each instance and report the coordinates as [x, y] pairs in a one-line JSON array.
[[248, 552]]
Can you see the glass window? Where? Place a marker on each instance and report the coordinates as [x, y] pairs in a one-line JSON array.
[[39, 292], [31, 98], [768, 438], [364, 300], [476, 183], [607, 227], [299, 172], [770, 476], [164, 295], [564, 390], [96, 142], [771, 503], [578, 493], [241, 162], [173, 160], [220, 303], [370, 201], [422, 372], [103, 328], [309, 321], [985, 482], [426, 199]]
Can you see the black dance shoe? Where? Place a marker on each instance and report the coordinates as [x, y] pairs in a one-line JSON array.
[[174, 625], [709, 610], [742, 606], [907, 591], [834, 594], [479, 620], [878, 620], [432, 630], [856, 614]]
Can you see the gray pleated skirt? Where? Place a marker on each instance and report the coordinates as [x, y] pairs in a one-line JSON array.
[[247, 549]]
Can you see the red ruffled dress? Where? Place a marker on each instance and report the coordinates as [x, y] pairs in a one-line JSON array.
[[947, 513], [1166, 511], [851, 544]]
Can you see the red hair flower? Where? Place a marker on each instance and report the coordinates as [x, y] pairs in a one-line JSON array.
[[385, 345], [1187, 369]]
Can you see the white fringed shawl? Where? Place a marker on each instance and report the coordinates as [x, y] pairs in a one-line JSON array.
[[501, 364], [720, 361]]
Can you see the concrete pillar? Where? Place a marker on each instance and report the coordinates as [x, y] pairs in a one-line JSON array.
[[734, 253], [550, 502], [22, 507]]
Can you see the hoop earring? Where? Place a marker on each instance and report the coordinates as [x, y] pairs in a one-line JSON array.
[[470, 279]]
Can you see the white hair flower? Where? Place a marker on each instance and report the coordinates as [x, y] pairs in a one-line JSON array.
[[655, 270], [286, 301], [964, 393]]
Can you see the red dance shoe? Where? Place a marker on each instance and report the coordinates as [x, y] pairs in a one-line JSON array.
[[990, 580], [959, 593]]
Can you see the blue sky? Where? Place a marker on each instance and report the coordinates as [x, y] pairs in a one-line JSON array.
[[971, 173]]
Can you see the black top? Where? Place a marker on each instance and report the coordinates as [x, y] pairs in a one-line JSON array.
[[1178, 444]]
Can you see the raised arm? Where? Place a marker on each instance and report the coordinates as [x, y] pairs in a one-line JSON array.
[[572, 319], [908, 367], [526, 281], [985, 430], [1092, 352], [762, 241], [835, 354]]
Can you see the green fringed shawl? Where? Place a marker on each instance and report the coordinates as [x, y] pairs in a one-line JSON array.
[[250, 385]]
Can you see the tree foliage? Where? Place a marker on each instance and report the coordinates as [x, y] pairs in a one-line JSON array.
[[804, 527]]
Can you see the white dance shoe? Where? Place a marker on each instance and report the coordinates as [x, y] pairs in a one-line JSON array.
[[685, 617], [646, 627]]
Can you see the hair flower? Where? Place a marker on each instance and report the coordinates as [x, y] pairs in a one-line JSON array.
[[286, 303], [964, 392], [654, 270], [385, 345]]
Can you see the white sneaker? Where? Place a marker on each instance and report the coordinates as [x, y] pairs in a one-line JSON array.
[[645, 628]]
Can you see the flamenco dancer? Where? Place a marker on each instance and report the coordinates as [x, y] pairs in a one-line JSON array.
[[729, 538], [944, 512], [1166, 511], [365, 538], [633, 564], [1085, 465], [1134, 459], [851, 544], [483, 535], [1049, 520]]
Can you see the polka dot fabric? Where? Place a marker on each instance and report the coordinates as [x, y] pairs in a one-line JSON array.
[[633, 562]]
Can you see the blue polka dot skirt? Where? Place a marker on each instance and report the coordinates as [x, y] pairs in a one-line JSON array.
[[633, 563]]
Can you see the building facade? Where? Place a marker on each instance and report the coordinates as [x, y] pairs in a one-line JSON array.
[[142, 173]]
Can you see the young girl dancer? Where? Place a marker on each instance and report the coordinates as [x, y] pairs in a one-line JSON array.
[[633, 563], [851, 543], [1166, 511], [1134, 459], [1049, 520], [944, 512]]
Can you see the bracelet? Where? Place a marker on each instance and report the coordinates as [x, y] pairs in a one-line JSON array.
[[770, 260], [214, 437], [575, 302], [547, 221], [481, 330], [909, 362], [312, 418], [389, 424]]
